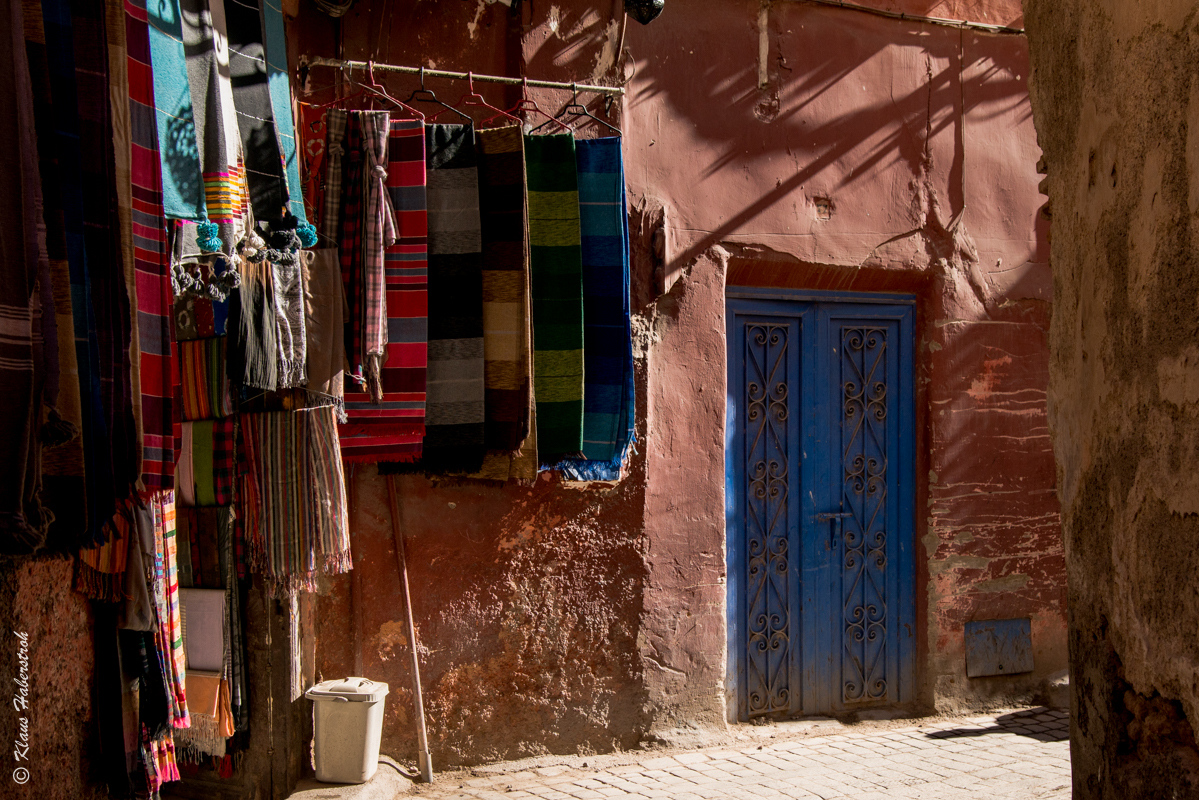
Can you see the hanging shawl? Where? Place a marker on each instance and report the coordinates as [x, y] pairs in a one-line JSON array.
[[393, 430], [207, 458], [62, 457], [100, 570], [138, 606], [168, 638], [288, 309], [454, 418], [158, 361], [607, 331], [294, 498], [255, 118], [335, 134], [110, 303], [312, 134], [507, 342], [122, 142], [280, 92], [206, 43], [22, 525], [252, 354], [556, 274], [349, 240], [378, 233], [323, 324], [205, 380], [182, 176]]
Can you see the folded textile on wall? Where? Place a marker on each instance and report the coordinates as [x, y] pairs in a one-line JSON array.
[[293, 498], [206, 462]]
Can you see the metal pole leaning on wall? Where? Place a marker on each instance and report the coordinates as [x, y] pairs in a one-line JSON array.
[[422, 737], [319, 61]]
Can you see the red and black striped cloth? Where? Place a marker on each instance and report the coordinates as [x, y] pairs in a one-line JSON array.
[[393, 430], [156, 345]]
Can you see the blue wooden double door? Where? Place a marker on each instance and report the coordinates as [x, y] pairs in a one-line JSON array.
[[820, 502]]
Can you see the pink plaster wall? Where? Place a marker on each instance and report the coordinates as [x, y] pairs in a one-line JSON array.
[[559, 619]]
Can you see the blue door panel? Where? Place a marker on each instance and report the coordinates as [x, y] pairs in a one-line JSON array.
[[820, 504]]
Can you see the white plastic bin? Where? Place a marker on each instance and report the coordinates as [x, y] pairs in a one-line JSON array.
[[348, 721]]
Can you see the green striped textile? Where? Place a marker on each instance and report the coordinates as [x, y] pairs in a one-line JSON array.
[[556, 277]]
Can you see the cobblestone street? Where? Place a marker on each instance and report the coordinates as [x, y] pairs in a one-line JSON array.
[[1019, 755]]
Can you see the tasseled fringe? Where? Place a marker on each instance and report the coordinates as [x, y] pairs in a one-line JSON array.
[[201, 740], [374, 380], [292, 372], [320, 400], [106, 587], [400, 464]]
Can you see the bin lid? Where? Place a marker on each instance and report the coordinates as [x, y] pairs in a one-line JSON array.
[[361, 690]]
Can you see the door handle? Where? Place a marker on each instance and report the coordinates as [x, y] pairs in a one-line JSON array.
[[835, 517]]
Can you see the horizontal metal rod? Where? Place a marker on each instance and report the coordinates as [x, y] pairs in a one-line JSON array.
[[319, 61], [985, 27]]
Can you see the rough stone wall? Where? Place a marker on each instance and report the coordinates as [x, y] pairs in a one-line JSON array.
[[1117, 113], [36, 599]]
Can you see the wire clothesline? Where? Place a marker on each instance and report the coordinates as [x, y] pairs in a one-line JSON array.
[[320, 61]]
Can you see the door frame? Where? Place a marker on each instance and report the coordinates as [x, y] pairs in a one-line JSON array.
[[739, 299]]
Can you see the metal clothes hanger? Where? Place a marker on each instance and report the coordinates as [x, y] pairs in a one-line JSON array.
[[348, 74], [526, 103], [427, 96], [378, 89], [576, 109], [473, 98]]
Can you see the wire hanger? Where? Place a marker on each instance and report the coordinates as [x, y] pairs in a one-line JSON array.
[[473, 98], [348, 74], [427, 96], [377, 88], [576, 109], [526, 103]]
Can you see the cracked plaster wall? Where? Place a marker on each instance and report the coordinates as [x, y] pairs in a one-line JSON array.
[[578, 619], [1117, 113]]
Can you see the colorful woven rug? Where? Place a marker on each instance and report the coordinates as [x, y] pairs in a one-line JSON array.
[[556, 276], [454, 417], [394, 429]]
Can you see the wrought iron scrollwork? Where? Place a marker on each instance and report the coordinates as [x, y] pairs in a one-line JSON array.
[[864, 496], [767, 488]]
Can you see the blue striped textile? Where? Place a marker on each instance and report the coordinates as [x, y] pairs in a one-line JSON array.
[[608, 405]]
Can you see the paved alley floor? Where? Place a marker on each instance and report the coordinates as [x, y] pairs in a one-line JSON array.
[[1019, 755]]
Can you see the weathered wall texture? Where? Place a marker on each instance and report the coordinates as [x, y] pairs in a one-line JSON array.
[[1117, 113], [561, 619], [36, 599]]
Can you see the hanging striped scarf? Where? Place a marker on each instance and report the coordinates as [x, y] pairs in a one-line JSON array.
[[393, 429], [335, 134], [349, 239], [100, 570], [206, 43], [297, 523], [607, 331], [454, 417], [507, 345], [159, 363], [205, 380], [63, 479], [378, 233], [556, 274], [169, 636], [206, 467]]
